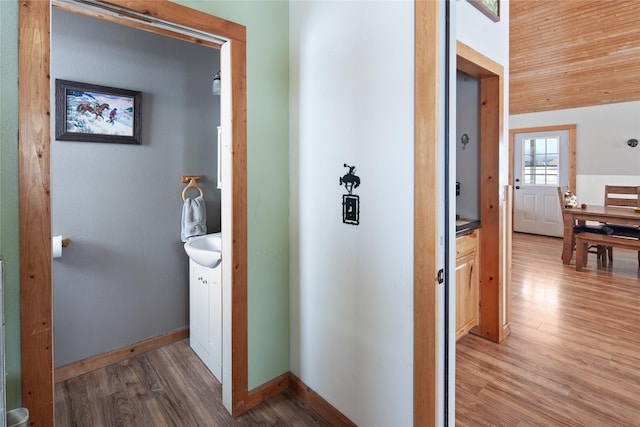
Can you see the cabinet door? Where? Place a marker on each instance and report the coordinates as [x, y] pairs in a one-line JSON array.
[[466, 294], [214, 332], [205, 315], [198, 303]]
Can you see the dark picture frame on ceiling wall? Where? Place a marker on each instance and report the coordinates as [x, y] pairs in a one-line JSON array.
[[94, 113], [491, 8]]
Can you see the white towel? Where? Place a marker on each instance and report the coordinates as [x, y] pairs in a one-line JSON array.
[[194, 218]]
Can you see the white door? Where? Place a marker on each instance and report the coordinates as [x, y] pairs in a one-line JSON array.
[[205, 315], [541, 164]]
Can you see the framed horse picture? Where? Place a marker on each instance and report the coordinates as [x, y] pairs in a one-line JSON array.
[[491, 8], [92, 113]]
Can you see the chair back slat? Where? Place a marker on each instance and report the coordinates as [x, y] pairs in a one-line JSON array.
[[622, 195], [561, 192], [561, 197]]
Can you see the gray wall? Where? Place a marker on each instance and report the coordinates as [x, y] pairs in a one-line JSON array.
[[124, 278], [468, 159]]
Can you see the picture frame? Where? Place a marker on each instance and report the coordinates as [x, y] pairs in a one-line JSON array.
[[491, 8], [93, 113]]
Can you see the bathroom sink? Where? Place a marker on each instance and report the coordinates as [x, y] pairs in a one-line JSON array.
[[205, 250]]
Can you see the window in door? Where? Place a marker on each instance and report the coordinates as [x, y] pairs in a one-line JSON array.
[[540, 160]]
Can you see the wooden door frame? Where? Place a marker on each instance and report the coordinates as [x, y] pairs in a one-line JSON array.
[[36, 287], [495, 285], [493, 262], [572, 154], [426, 327], [572, 149]]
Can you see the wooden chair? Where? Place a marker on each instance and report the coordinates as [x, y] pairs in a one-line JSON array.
[[599, 250], [622, 196]]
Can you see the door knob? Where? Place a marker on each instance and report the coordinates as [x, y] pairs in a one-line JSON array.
[[517, 187]]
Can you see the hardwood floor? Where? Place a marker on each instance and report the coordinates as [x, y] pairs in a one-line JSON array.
[[573, 356], [170, 387]]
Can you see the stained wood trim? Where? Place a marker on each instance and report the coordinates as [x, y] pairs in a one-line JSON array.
[[239, 328], [572, 149], [492, 280], [36, 314], [572, 158], [191, 18], [426, 175], [36, 293], [491, 295], [268, 390], [93, 363], [506, 267], [122, 20], [333, 416], [476, 64]]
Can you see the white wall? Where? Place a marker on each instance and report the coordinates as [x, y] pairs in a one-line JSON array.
[[482, 34], [602, 154], [351, 301], [351, 291], [492, 40]]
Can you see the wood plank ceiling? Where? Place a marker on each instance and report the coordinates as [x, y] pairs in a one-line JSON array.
[[567, 54]]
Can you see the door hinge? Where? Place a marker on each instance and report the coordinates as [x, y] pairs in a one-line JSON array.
[[441, 276]]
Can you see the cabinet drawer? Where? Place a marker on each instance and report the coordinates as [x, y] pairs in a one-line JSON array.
[[467, 244]]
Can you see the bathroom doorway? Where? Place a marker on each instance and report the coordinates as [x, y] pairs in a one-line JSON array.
[[34, 169], [121, 279]]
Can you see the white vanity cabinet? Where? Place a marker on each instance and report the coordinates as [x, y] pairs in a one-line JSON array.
[[205, 315]]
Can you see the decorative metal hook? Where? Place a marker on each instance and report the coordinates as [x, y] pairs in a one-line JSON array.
[[465, 140]]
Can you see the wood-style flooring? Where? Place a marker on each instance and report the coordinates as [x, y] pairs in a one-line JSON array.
[[168, 387], [572, 359], [573, 356]]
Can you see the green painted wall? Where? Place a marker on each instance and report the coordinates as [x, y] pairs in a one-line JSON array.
[[268, 187], [9, 245], [267, 25]]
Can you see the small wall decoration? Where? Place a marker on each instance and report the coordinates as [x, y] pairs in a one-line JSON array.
[[93, 113], [350, 202], [491, 8], [465, 140]]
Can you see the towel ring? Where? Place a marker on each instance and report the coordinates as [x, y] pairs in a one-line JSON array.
[[192, 184]]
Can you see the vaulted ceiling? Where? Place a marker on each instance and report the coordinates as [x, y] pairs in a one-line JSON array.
[[566, 54]]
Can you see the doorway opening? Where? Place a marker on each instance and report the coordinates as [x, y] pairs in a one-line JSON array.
[[491, 311], [529, 221], [430, 403], [34, 187], [120, 204], [494, 201]]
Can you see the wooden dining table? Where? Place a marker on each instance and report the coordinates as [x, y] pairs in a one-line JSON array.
[[578, 216]]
